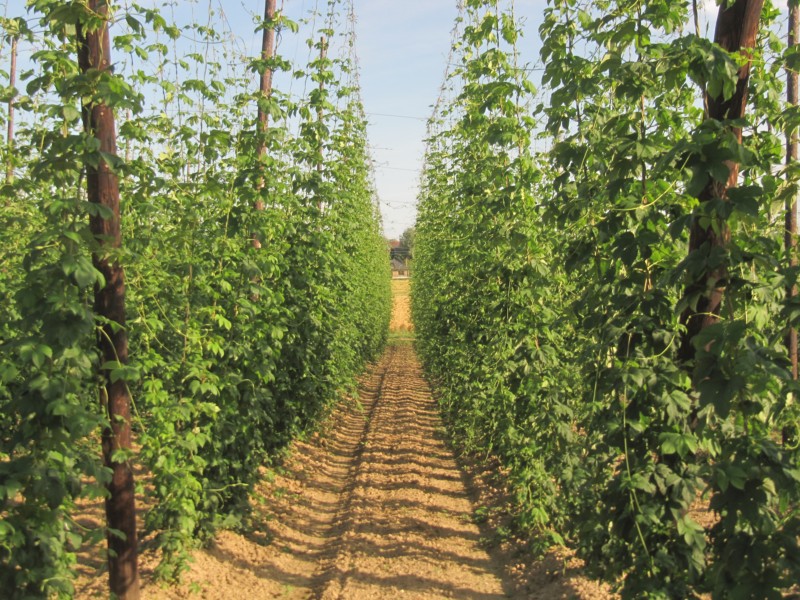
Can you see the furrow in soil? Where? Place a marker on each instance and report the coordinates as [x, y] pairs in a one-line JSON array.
[[405, 526]]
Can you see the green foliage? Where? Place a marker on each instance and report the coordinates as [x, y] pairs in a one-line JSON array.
[[235, 350], [407, 239], [49, 367], [548, 290]]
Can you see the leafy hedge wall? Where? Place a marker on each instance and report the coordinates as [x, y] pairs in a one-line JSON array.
[[549, 287], [235, 350]]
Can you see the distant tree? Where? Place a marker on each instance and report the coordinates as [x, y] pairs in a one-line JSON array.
[[407, 239]]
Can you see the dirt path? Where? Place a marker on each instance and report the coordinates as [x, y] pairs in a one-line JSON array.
[[375, 507], [405, 524], [401, 307], [372, 507]]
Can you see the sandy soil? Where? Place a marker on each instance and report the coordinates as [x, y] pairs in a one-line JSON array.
[[401, 308], [373, 506], [405, 529]]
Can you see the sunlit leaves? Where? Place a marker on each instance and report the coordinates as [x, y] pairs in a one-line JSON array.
[[234, 351], [558, 354]]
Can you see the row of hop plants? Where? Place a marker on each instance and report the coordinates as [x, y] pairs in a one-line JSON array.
[[256, 279], [555, 290]]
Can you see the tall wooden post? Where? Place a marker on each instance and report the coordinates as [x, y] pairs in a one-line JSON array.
[[94, 53], [12, 81], [790, 233], [790, 239], [323, 53], [265, 89], [737, 26]]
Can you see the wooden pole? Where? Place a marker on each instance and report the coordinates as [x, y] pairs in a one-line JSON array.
[[94, 53], [737, 27], [790, 238], [790, 233], [12, 81], [323, 53], [265, 89]]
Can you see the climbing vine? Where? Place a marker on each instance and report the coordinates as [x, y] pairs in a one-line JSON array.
[[236, 348], [549, 290]]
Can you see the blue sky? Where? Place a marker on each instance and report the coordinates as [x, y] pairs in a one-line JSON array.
[[402, 49]]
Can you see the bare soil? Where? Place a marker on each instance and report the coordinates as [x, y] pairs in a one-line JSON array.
[[401, 307], [374, 506]]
